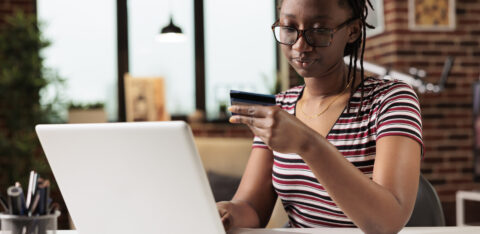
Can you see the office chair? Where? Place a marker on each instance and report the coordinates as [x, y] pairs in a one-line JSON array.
[[428, 210]]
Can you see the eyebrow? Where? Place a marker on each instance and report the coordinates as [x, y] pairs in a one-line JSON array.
[[314, 18]]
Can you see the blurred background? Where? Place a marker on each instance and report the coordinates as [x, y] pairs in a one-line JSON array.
[[65, 61]]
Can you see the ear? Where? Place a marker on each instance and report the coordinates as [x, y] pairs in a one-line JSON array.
[[354, 31]]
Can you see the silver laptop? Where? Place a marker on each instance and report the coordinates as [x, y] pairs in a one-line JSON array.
[[121, 178]]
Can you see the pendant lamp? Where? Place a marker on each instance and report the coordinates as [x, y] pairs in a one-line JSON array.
[[171, 33]]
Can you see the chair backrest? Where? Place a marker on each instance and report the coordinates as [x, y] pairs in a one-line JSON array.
[[428, 210]]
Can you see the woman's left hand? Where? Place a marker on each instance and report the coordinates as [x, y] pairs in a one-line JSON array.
[[278, 129]]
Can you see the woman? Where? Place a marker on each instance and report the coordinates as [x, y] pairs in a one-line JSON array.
[[342, 150]]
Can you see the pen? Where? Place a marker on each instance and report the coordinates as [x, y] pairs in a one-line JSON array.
[[3, 203], [30, 188], [16, 200], [35, 183], [43, 190], [33, 207]]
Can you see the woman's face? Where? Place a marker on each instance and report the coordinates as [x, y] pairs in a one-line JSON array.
[[311, 61]]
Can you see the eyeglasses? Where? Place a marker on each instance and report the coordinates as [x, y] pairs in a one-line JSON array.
[[315, 37]]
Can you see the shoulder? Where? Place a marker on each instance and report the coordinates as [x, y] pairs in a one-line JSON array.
[[289, 96], [382, 90]]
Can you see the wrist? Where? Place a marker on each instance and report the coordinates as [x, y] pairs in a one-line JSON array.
[[308, 142], [249, 216]]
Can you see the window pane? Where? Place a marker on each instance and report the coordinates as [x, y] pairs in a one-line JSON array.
[[239, 49], [83, 49], [172, 61], [375, 18]]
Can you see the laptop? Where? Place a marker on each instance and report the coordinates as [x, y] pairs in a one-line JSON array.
[[131, 177]]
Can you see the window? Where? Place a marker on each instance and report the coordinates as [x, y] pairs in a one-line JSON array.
[[83, 49], [239, 49], [172, 61], [376, 18]]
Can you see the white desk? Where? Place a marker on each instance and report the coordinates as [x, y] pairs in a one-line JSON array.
[[407, 230]]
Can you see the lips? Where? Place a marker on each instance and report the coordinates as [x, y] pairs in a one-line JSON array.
[[303, 62]]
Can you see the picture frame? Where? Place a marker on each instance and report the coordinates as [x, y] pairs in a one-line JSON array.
[[431, 15], [145, 99]]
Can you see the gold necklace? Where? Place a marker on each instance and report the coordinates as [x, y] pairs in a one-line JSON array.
[[300, 104]]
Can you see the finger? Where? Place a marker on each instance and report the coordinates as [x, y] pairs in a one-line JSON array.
[[263, 134], [222, 212], [249, 110], [263, 123], [240, 119], [226, 221]]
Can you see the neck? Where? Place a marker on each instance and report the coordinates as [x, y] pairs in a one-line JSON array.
[[332, 82]]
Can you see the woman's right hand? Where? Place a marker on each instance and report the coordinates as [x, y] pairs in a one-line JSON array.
[[225, 209]]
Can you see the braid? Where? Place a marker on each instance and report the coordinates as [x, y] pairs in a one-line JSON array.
[[360, 11]]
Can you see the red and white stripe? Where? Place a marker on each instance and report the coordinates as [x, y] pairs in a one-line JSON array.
[[390, 108]]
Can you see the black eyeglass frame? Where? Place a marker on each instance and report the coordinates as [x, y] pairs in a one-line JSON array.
[[332, 31]]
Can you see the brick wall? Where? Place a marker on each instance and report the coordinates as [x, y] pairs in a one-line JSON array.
[[447, 117]]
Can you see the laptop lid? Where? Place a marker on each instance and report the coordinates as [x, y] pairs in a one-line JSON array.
[[131, 177]]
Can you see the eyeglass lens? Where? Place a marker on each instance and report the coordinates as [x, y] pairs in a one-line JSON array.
[[315, 37]]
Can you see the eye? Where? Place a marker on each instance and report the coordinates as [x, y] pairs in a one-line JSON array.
[[320, 30], [289, 30]]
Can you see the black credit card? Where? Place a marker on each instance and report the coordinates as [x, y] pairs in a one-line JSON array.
[[248, 98]]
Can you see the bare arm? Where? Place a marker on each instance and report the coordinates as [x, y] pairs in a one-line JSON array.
[[255, 198], [381, 205]]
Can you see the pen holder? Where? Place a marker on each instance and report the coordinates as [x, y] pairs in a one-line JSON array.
[[16, 224]]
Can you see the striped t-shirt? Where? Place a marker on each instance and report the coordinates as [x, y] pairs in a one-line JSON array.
[[390, 108]]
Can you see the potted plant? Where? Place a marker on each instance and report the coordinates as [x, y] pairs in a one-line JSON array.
[[22, 78], [87, 113]]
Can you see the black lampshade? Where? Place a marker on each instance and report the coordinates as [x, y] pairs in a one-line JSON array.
[[171, 33], [171, 28]]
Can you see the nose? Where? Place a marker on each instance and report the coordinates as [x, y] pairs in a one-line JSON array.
[[301, 44]]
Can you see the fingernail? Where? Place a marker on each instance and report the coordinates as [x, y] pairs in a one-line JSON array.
[[230, 108], [231, 120]]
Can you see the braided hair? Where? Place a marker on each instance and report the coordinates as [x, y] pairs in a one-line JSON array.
[[359, 11]]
